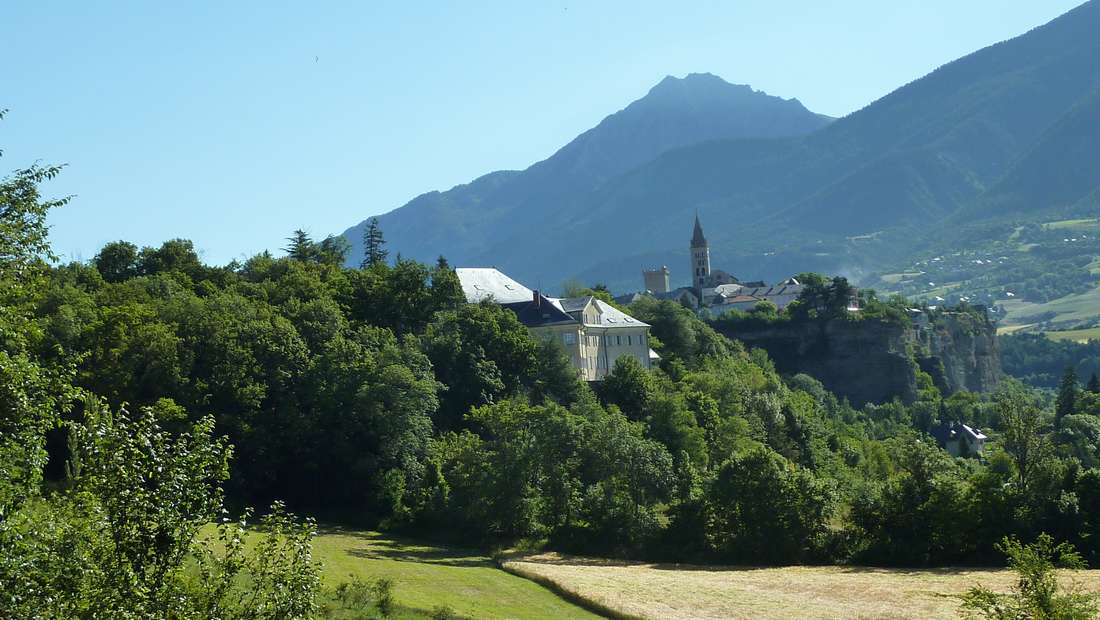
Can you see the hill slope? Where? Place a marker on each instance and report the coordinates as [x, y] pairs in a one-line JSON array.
[[857, 192], [466, 221]]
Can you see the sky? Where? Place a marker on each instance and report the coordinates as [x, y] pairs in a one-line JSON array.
[[233, 124]]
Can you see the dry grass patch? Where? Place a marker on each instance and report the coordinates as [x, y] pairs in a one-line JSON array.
[[659, 591]]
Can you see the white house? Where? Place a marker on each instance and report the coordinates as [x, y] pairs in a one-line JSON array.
[[593, 333]]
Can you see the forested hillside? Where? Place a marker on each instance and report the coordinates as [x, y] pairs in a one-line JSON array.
[[147, 396]]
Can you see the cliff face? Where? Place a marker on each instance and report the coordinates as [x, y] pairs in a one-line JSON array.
[[876, 361], [967, 348]]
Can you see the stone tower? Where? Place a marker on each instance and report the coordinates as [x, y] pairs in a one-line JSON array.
[[700, 258], [656, 280]]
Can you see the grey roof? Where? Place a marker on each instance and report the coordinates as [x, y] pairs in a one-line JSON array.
[[610, 316], [697, 238], [573, 304], [540, 314], [613, 317], [480, 283]]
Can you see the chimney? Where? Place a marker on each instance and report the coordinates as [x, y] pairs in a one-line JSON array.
[[537, 299]]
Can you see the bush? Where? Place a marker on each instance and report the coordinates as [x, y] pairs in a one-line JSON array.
[[1037, 594]]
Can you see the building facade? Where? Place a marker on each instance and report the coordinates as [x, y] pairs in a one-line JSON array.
[[656, 280], [593, 333]]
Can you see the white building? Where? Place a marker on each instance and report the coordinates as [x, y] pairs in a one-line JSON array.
[[593, 333]]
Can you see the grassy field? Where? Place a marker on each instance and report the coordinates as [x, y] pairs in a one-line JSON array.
[[1069, 308], [653, 591], [1077, 335], [427, 576], [1082, 224]]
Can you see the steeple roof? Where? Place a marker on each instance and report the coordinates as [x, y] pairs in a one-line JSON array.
[[697, 238]]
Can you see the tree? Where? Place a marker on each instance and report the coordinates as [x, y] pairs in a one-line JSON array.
[[174, 255], [31, 396], [482, 353], [301, 247], [374, 252], [122, 541], [117, 261], [333, 250], [763, 509], [629, 386], [1023, 437], [1067, 395], [1037, 593], [446, 287], [1094, 384]]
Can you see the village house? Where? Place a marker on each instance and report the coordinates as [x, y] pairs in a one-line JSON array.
[[593, 333], [959, 439]]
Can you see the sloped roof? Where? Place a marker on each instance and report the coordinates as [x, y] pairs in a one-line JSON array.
[[613, 317], [480, 283], [573, 304], [541, 314], [697, 238]]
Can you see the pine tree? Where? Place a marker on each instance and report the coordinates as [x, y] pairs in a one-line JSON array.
[[1094, 384], [446, 287], [301, 246], [374, 252], [1067, 395]]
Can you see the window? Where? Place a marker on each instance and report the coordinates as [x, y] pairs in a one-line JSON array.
[[618, 341], [570, 338], [628, 340], [609, 341]]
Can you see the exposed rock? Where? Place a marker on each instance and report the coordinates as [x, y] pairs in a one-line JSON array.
[[877, 361]]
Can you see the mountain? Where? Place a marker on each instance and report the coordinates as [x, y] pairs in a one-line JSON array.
[[464, 222], [1005, 130]]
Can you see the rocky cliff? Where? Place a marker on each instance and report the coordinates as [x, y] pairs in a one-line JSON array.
[[877, 361], [965, 346]]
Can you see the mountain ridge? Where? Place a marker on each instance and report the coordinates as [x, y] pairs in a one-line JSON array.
[[673, 113], [860, 190]]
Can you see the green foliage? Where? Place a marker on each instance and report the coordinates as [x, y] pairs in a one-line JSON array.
[[374, 243], [763, 509], [361, 600], [1041, 362], [122, 541], [1037, 594], [1067, 395]]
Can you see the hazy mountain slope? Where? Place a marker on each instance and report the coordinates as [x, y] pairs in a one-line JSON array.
[[462, 222], [857, 192], [1060, 175], [907, 161]]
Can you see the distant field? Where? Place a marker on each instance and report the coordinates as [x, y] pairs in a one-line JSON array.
[[1078, 307], [426, 576], [654, 591], [1077, 335], [1004, 330], [894, 278], [1082, 224]]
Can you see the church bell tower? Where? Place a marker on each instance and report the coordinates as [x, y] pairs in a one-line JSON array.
[[700, 258]]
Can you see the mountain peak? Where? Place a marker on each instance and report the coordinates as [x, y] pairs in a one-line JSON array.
[[697, 84], [710, 89]]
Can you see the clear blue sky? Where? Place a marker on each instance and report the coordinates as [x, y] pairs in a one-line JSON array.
[[234, 123]]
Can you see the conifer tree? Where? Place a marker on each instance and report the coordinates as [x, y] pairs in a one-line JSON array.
[[301, 247], [1067, 395], [374, 251], [1094, 384]]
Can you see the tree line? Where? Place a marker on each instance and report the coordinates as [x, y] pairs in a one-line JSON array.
[[141, 385]]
